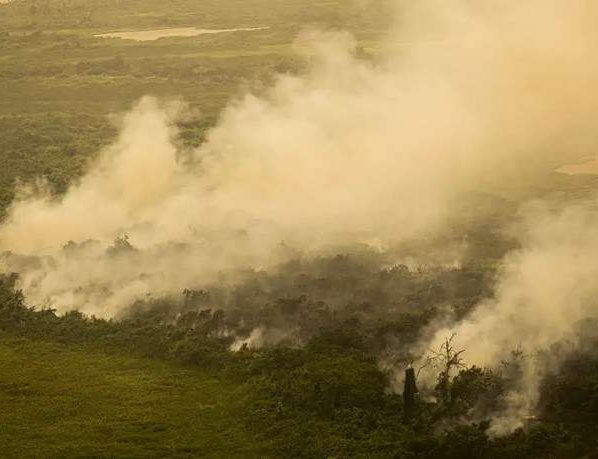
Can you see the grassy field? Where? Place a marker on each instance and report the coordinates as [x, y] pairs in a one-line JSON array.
[[51, 61], [59, 401]]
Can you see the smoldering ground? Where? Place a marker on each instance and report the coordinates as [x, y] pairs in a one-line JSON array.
[[463, 98]]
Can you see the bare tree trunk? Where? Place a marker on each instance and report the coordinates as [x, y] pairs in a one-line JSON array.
[[410, 394]]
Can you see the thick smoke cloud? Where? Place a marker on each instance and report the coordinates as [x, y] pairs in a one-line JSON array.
[[546, 289], [350, 150], [464, 96]]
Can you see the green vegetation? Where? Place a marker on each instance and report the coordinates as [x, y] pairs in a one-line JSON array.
[[327, 398], [60, 401]]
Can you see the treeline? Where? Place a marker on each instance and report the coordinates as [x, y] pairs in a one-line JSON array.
[[329, 398]]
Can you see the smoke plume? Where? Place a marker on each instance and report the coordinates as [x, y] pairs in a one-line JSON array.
[[462, 96], [545, 290]]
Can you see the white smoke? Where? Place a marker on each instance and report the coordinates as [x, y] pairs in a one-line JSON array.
[[464, 96], [544, 291]]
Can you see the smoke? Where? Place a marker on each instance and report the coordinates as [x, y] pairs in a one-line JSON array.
[[546, 289], [463, 96]]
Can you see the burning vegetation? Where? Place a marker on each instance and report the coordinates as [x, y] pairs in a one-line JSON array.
[[378, 248]]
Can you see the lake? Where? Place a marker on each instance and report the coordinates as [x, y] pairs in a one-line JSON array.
[[149, 35]]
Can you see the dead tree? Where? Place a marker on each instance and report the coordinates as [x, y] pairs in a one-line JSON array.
[[446, 358], [410, 394]]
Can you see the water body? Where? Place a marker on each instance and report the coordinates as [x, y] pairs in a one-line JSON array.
[[150, 35]]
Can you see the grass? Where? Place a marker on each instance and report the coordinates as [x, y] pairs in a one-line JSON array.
[[58, 401]]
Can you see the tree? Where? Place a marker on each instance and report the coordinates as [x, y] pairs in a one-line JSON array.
[[121, 245], [447, 358]]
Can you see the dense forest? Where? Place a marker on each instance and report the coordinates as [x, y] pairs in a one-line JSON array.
[[319, 390]]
